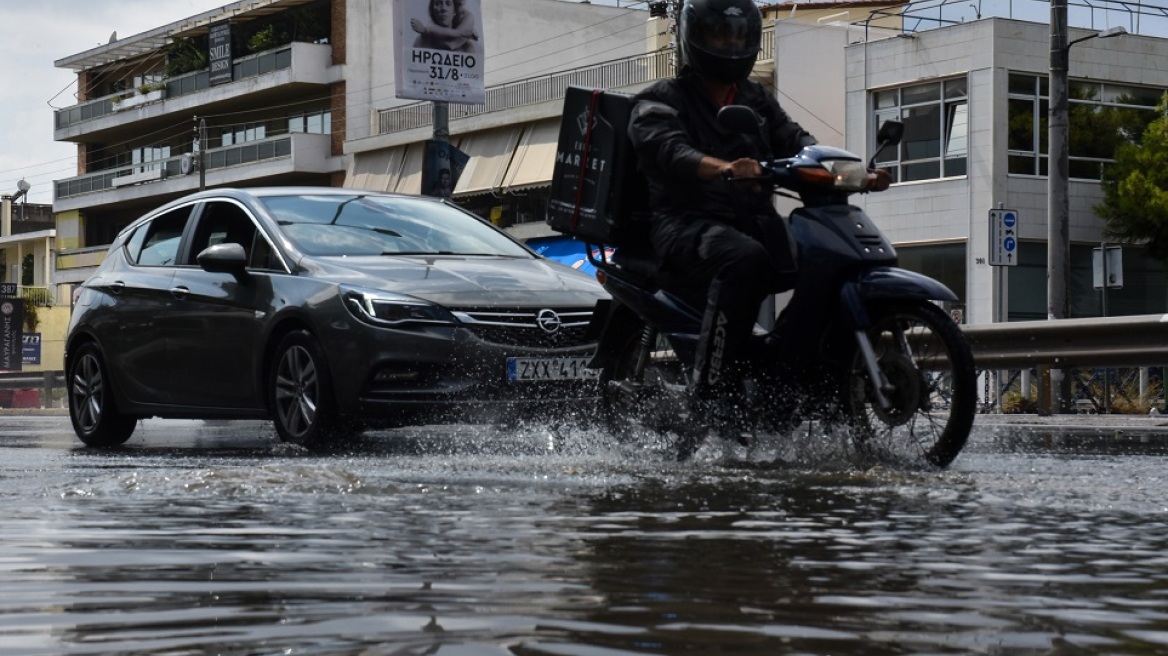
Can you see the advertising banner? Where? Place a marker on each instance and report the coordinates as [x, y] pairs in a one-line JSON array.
[[438, 50], [31, 350], [11, 327], [219, 53], [442, 165]]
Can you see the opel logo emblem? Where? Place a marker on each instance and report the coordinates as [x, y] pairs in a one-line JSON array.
[[548, 321]]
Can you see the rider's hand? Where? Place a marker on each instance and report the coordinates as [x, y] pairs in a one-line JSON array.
[[878, 180], [744, 167]]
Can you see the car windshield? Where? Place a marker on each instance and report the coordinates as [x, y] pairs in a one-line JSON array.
[[357, 224]]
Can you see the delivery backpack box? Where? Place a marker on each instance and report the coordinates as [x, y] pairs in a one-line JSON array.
[[597, 194]]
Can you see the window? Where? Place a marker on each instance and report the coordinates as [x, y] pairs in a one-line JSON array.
[[225, 222], [238, 134], [943, 262], [312, 123], [149, 158], [156, 243], [936, 129], [1100, 116]]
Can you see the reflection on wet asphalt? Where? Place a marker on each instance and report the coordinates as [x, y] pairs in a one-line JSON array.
[[204, 539]]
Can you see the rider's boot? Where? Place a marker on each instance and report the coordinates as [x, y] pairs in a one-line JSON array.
[[716, 394]]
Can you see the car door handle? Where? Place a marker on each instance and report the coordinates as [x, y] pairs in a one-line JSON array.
[[117, 287], [180, 292]]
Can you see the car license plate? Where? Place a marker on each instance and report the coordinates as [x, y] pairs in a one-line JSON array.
[[537, 369]]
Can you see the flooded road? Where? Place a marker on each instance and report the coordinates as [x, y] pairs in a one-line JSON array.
[[217, 539]]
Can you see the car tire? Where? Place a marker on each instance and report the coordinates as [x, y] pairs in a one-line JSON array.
[[300, 392], [92, 408]]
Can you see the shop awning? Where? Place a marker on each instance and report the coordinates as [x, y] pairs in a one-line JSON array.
[[535, 156], [378, 170], [491, 152], [410, 179]]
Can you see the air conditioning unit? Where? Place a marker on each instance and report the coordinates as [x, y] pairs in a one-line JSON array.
[[188, 164]]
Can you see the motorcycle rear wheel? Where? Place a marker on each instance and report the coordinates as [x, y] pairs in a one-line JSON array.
[[649, 404], [926, 358]]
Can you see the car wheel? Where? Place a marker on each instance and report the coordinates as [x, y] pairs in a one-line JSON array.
[[300, 392], [92, 408]]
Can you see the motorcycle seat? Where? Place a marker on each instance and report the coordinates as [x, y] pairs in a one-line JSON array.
[[646, 269]]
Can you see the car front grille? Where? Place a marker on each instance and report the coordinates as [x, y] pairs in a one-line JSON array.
[[528, 327]]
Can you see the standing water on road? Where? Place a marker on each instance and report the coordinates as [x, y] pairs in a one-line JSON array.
[[202, 539]]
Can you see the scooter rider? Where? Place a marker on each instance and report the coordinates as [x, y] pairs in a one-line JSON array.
[[725, 238]]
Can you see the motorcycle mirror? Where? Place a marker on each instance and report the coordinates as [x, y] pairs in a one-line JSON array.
[[739, 119], [890, 134]]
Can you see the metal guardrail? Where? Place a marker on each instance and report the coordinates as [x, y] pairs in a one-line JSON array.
[[33, 380], [1131, 341]]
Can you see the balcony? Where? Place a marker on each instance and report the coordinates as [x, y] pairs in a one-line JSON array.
[[38, 296], [260, 79], [287, 155]]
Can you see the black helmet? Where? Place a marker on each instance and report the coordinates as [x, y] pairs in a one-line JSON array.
[[720, 38]]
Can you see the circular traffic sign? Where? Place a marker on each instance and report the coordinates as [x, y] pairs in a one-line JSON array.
[[1008, 244], [1009, 219]]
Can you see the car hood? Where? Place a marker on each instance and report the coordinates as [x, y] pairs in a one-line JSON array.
[[464, 281]]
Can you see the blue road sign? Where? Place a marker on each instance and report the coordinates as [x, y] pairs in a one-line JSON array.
[[1003, 238]]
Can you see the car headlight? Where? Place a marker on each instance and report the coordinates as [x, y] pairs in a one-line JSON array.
[[389, 309]]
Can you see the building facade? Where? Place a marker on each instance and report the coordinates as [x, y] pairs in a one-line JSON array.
[[311, 100], [973, 97]]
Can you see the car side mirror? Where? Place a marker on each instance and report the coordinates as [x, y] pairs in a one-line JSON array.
[[224, 258]]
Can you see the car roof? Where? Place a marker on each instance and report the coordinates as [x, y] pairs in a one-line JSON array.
[[242, 193]]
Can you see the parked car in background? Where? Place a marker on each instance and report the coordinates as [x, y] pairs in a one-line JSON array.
[[326, 310]]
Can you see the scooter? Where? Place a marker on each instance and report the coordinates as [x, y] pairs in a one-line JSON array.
[[862, 345]]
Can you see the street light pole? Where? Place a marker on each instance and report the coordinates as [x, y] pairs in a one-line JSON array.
[[1058, 237], [1058, 243]]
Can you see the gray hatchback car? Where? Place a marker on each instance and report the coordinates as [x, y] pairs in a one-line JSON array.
[[326, 310]]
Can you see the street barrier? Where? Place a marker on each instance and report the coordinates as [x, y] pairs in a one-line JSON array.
[[1132, 341]]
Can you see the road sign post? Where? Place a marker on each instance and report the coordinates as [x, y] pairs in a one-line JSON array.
[[1003, 237]]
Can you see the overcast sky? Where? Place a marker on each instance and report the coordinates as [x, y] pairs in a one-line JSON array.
[[39, 33]]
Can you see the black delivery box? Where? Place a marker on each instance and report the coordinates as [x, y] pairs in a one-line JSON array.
[[597, 194]]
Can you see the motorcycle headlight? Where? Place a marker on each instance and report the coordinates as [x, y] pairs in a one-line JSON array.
[[847, 175], [839, 174], [389, 309]]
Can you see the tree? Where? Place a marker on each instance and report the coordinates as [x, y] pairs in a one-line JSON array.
[[1135, 187]]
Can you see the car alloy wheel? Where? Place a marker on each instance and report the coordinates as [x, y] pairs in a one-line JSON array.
[[92, 409], [301, 391]]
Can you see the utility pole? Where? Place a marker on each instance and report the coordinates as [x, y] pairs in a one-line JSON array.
[[1058, 238]]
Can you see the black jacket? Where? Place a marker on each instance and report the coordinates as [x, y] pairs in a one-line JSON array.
[[674, 123]]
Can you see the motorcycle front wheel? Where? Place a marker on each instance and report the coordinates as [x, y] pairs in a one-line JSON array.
[[643, 396], [932, 387]]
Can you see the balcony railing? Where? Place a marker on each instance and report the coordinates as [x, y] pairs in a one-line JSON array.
[[41, 296], [181, 85], [216, 158], [609, 75]]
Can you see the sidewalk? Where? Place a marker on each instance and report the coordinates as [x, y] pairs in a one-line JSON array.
[[1089, 431], [1076, 423]]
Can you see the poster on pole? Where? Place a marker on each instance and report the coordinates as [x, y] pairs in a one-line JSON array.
[[442, 165], [438, 50]]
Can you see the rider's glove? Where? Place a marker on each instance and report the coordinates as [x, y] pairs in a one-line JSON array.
[[878, 180]]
